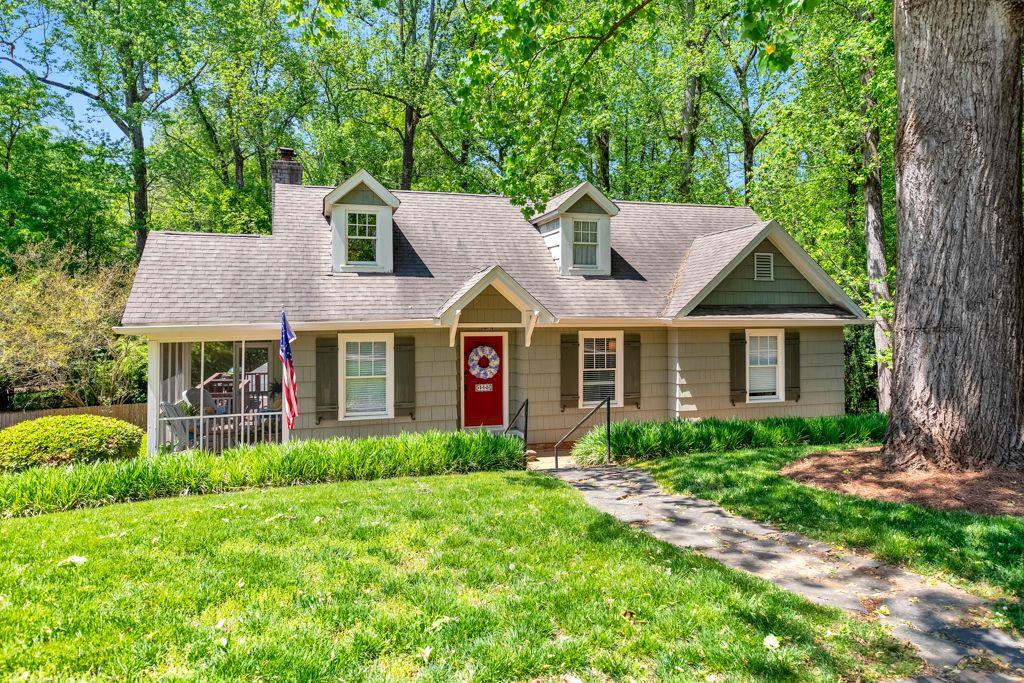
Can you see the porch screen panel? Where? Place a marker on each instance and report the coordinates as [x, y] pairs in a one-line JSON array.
[[599, 368], [365, 377]]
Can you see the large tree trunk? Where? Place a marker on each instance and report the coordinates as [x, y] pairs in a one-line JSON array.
[[690, 116], [874, 239], [140, 194], [958, 394]]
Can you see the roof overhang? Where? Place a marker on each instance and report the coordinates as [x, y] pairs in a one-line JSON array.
[[364, 177], [582, 190], [495, 276], [796, 255]]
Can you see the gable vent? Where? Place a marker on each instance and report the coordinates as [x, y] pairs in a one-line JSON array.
[[764, 267]]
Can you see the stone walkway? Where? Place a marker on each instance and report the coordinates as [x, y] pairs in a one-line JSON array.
[[933, 616]]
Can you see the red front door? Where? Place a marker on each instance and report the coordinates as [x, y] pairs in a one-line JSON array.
[[483, 380]]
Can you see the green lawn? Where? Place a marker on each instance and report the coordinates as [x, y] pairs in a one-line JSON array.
[[491, 576], [984, 554]]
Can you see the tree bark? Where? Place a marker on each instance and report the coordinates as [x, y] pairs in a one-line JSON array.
[[412, 120], [874, 239], [690, 115], [140, 191], [958, 391], [604, 160]]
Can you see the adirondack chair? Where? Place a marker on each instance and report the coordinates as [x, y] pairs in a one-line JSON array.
[[182, 436], [209, 406]]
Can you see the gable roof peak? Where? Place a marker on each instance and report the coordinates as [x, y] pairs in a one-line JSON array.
[[563, 201], [362, 176]]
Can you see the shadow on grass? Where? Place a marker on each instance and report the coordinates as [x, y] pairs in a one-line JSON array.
[[971, 549]]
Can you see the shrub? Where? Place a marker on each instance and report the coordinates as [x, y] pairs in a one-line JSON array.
[[66, 439], [634, 440], [301, 462]]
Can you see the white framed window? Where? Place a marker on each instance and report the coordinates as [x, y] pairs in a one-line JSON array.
[[765, 366], [764, 266], [584, 243], [600, 368], [366, 376], [361, 237]]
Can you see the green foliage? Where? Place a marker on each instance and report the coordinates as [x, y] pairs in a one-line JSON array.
[[645, 440], [983, 553], [67, 440], [301, 462], [861, 374], [439, 579], [56, 332]]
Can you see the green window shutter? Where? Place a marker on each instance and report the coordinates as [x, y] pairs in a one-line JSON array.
[[792, 365], [405, 376], [631, 369], [737, 366], [570, 371], [326, 377]]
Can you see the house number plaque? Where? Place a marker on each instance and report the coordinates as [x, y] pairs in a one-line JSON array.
[[484, 387]]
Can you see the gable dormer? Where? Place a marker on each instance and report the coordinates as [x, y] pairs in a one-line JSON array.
[[576, 227], [361, 211]]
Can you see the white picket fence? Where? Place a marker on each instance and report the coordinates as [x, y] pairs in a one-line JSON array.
[[134, 413]]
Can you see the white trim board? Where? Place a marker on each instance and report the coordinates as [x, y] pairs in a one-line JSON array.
[[353, 181]]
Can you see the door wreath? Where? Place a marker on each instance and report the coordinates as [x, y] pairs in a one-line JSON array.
[[484, 362]]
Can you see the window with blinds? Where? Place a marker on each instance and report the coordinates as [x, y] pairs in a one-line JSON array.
[[366, 378], [584, 243], [764, 266], [762, 367], [601, 365]]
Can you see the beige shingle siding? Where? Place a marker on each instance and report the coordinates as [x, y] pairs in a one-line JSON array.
[[586, 205], [789, 288], [436, 390], [539, 365], [491, 307], [363, 196], [703, 377]]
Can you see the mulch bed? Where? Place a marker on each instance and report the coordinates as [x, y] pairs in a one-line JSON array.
[[860, 472]]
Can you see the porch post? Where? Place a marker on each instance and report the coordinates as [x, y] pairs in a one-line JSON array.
[[153, 398]]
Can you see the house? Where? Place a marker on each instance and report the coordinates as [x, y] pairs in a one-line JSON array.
[[426, 310]]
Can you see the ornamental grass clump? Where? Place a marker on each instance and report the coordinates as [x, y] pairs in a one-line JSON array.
[[67, 439], [636, 440], [48, 489]]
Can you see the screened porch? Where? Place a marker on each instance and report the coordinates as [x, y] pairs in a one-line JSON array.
[[218, 394]]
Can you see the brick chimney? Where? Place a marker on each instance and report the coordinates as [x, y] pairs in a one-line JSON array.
[[285, 169]]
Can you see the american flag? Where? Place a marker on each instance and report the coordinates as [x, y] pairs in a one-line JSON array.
[[291, 400]]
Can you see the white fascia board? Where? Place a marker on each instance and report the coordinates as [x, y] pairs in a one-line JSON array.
[[261, 331], [586, 188], [506, 285], [796, 255], [361, 176]]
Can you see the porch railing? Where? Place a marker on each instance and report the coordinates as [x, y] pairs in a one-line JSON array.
[[216, 433], [607, 403]]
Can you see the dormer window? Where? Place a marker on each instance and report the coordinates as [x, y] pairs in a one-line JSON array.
[[362, 238], [360, 211], [577, 231], [584, 243]]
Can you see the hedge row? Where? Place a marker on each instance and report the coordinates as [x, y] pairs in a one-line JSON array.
[[49, 489], [634, 440]]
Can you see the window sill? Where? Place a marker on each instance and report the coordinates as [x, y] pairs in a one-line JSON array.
[[362, 417], [771, 399], [587, 270], [360, 268], [588, 406]]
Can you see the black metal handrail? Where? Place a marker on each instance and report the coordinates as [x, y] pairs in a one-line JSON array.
[[607, 403], [524, 408]]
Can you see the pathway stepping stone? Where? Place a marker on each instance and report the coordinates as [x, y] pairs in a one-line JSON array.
[[935, 617]]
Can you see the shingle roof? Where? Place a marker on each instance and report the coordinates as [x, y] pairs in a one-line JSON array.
[[441, 240], [708, 255]]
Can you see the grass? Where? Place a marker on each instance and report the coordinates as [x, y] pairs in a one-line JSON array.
[[984, 554], [487, 576], [48, 489], [634, 440]]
